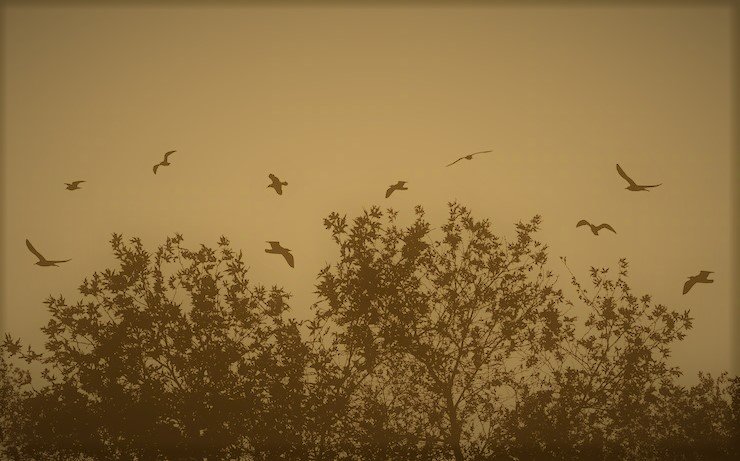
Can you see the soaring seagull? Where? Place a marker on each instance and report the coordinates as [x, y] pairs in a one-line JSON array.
[[397, 186], [277, 184], [633, 185], [276, 249], [43, 261], [74, 185], [595, 229], [701, 277], [163, 162], [469, 156]]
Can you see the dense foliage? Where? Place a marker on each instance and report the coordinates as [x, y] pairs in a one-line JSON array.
[[425, 343]]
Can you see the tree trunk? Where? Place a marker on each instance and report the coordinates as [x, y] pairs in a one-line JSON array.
[[455, 429]]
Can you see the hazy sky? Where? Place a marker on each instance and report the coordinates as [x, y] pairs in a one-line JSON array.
[[342, 103]]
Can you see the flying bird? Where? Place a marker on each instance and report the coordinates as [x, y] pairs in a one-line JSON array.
[[276, 249], [595, 229], [43, 261], [74, 185], [397, 186], [701, 277], [469, 156], [633, 185], [277, 184], [163, 162]]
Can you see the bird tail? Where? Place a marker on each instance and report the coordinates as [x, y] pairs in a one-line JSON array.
[[284, 183]]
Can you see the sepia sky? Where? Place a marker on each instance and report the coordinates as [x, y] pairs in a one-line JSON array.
[[343, 102]]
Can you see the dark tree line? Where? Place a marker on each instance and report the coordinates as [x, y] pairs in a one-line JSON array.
[[425, 344]]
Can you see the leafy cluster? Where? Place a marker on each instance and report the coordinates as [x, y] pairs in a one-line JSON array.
[[135, 372], [425, 343]]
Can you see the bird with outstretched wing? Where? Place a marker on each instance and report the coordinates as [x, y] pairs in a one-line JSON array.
[[633, 186], [41, 260], [595, 229], [400, 185], [74, 185], [164, 162], [275, 248], [469, 156], [701, 277], [277, 184]]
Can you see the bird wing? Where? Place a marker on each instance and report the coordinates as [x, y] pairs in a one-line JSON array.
[[689, 283], [63, 261], [279, 188], [167, 154], [273, 178], [456, 161], [654, 185], [624, 175], [389, 191], [481, 152], [76, 183], [606, 226], [289, 258], [33, 250], [582, 222], [155, 167]]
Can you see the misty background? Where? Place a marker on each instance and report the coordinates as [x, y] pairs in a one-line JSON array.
[[343, 102]]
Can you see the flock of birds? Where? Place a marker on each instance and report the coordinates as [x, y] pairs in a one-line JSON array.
[[277, 185]]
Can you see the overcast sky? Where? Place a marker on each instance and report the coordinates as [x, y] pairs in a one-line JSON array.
[[341, 103]]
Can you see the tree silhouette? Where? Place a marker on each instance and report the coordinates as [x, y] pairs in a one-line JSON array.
[[468, 314], [459, 344], [612, 394], [174, 355], [12, 380], [452, 342]]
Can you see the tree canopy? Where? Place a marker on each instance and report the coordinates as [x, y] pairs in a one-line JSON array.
[[173, 355], [429, 343]]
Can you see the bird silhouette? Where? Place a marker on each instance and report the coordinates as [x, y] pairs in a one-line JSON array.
[[701, 277], [43, 261], [397, 186], [595, 229], [276, 249], [163, 162], [633, 185], [74, 185], [277, 184], [469, 156]]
